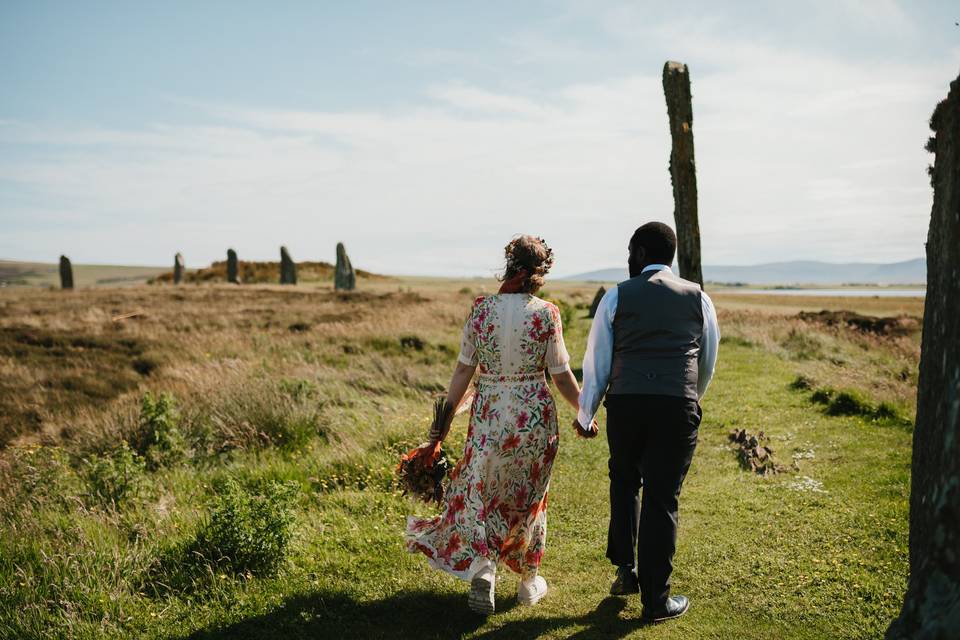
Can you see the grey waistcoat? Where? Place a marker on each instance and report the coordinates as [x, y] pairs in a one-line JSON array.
[[657, 332]]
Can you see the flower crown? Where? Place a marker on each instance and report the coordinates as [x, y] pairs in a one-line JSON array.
[[515, 264]]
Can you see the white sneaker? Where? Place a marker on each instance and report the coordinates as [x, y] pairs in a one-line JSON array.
[[481, 591], [531, 591]]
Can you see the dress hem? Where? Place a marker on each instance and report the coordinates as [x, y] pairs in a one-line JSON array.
[[415, 544]]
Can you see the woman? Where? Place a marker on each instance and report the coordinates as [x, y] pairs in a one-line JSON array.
[[494, 510]]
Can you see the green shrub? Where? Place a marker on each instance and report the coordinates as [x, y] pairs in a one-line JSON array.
[[846, 403], [822, 396], [116, 476], [802, 383], [160, 439], [850, 403], [247, 531], [886, 411]]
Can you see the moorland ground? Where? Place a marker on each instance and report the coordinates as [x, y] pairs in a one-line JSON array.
[[216, 461]]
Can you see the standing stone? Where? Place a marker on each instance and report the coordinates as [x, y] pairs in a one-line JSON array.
[[288, 268], [66, 273], [233, 267], [178, 268], [596, 301], [931, 607], [344, 278], [683, 170]]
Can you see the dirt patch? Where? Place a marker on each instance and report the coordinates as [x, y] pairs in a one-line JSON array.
[[893, 326]]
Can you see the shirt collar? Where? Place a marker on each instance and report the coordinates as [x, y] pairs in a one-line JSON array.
[[655, 267]]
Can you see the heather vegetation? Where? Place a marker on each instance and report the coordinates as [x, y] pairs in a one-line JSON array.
[[220, 465]]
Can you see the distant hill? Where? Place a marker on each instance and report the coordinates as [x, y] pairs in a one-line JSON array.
[[795, 273]]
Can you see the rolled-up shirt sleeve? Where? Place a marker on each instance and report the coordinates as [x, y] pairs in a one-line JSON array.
[[707, 360], [598, 358]]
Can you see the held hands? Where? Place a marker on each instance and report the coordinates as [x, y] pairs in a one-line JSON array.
[[590, 432]]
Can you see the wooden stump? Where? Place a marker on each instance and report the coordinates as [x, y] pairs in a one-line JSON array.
[[596, 301], [931, 607], [344, 277], [66, 273], [683, 170], [288, 268], [178, 268], [233, 267]]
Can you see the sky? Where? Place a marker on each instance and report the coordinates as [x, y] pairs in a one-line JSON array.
[[424, 135]]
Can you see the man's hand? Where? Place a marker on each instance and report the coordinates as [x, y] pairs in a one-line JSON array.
[[590, 432]]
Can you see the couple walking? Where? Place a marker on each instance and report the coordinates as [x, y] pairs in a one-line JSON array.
[[651, 352]]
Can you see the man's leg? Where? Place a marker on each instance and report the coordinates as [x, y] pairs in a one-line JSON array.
[[666, 459], [624, 439]]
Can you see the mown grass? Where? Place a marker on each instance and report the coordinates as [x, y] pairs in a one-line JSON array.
[[259, 503]]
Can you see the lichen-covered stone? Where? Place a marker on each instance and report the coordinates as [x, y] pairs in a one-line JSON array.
[[344, 277], [931, 608], [233, 267], [288, 268], [178, 268], [683, 170], [66, 273]]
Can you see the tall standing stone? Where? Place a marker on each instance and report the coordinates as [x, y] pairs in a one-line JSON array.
[[344, 278], [178, 268], [288, 268], [683, 169], [66, 273], [596, 301], [931, 607], [233, 267]]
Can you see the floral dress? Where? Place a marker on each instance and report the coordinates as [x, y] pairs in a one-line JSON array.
[[495, 506]]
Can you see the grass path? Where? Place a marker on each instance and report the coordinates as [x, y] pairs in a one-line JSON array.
[[757, 558]]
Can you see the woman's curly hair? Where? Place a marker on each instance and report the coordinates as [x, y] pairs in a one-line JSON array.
[[530, 254]]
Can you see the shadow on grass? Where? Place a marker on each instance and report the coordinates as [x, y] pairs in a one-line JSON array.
[[419, 614]]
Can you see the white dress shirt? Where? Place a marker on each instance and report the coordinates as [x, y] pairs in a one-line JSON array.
[[599, 356]]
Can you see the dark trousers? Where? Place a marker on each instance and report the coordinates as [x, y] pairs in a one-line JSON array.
[[651, 439]]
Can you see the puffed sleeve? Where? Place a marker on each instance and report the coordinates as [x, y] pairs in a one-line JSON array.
[[468, 342], [558, 360]]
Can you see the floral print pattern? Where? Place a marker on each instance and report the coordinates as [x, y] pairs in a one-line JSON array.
[[495, 507]]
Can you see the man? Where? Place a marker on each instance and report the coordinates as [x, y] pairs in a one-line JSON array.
[[652, 350]]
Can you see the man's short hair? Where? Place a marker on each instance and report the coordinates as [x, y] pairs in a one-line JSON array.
[[658, 241]]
